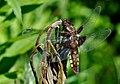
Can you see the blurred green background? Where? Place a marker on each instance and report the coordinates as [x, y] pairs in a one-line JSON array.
[[99, 66]]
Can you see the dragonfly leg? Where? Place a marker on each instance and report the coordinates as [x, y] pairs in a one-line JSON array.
[[80, 29], [81, 40], [57, 38]]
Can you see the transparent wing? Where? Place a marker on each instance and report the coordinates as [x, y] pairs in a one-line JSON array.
[[95, 39], [94, 36], [88, 24], [63, 55]]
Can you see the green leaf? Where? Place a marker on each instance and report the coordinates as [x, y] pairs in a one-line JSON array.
[[29, 2], [2, 14], [2, 3], [4, 46], [24, 9], [26, 35], [20, 46], [6, 63], [29, 8], [16, 8], [11, 75]]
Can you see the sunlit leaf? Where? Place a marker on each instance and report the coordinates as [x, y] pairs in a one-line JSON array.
[[16, 8], [30, 2], [24, 35], [24, 9], [19, 47]]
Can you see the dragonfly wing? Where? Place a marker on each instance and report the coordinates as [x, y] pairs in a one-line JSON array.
[[95, 39], [90, 21], [63, 54]]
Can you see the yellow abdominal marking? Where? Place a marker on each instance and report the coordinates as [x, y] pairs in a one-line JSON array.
[[71, 65], [70, 58], [74, 56], [71, 61], [75, 52]]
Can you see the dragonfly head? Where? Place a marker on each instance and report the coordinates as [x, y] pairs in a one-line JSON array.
[[68, 27]]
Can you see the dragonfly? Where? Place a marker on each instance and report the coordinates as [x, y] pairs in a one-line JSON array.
[[68, 39]]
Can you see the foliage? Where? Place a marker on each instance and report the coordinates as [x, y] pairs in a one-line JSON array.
[[99, 66]]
